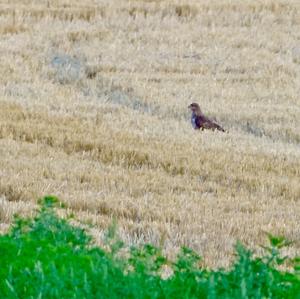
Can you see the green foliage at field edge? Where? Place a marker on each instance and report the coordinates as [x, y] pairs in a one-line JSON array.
[[46, 257]]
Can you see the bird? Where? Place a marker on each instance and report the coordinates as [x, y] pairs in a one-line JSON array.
[[200, 121]]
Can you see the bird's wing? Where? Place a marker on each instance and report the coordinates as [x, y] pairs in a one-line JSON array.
[[200, 120], [209, 124]]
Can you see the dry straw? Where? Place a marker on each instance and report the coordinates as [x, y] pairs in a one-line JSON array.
[[93, 108]]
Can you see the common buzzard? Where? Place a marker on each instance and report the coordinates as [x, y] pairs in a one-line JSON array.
[[200, 121]]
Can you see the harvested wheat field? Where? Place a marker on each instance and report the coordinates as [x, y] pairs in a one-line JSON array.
[[93, 109]]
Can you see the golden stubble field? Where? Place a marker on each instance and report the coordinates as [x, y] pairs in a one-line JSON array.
[[93, 109]]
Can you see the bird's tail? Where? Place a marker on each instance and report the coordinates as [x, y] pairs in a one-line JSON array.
[[220, 128]]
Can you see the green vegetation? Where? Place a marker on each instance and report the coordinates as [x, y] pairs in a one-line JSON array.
[[46, 257]]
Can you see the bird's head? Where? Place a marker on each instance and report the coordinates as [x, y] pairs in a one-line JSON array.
[[195, 108]]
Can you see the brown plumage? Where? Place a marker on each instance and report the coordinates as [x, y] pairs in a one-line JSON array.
[[200, 121]]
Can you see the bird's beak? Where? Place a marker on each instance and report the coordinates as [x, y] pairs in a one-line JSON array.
[[189, 106]]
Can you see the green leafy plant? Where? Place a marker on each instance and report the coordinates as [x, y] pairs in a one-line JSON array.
[[46, 257]]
